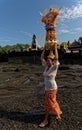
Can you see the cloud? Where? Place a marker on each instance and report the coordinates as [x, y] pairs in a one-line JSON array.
[[4, 40], [72, 13], [63, 31], [79, 1], [78, 29], [67, 30], [26, 33]]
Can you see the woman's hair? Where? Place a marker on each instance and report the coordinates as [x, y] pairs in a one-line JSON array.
[[52, 59]]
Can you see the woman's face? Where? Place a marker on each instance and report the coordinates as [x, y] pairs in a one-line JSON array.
[[49, 62]]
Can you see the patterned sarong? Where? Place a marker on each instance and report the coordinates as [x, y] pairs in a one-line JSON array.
[[51, 103]]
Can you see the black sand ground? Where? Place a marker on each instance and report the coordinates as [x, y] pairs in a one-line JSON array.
[[22, 97]]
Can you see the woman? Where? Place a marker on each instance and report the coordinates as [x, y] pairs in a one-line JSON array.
[[51, 67]]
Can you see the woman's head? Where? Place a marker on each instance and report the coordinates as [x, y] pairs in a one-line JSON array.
[[51, 56], [50, 62]]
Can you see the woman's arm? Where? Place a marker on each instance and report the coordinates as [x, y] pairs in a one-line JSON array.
[[56, 51], [42, 55], [56, 62]]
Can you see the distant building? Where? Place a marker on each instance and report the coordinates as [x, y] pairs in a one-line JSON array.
[[80, 40], [76, 45]]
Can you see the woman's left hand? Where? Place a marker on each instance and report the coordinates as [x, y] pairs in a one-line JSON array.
[[56, 46]]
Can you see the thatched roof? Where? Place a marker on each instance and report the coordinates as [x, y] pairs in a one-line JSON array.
[[75, 44]]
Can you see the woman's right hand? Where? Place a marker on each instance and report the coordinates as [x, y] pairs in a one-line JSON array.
[[42, 55], [43, 49]]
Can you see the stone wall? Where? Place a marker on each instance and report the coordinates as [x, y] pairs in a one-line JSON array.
[[34, 57]]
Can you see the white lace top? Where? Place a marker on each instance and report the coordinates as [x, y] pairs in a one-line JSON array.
[[49, 75]]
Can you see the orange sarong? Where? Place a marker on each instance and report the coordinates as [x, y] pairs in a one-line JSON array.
[[51, 103]]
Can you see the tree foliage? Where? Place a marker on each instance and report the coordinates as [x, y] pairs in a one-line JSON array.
[[16, 47]]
